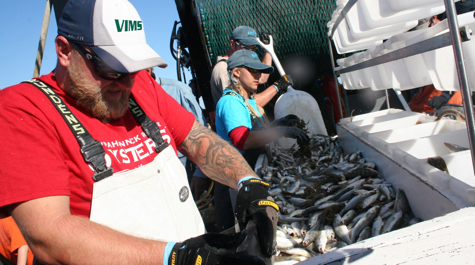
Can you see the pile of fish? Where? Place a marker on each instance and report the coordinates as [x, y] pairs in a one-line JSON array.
[[329, 200]]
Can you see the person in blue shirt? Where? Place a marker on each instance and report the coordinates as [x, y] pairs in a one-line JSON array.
[[242, 122], [183, 94]]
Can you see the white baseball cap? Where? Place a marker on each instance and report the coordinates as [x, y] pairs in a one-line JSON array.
[[113, 30]]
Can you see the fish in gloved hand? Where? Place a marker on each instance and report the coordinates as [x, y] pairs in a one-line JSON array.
[[251, 246], [255, 203], [288, 120], [293, 132], [211, 248]]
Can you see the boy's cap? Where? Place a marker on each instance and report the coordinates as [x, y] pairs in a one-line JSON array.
[[114, 31], [245, 35], [248, 59]]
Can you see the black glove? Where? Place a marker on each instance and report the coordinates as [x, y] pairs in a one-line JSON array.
[[264, 37], [211, 248], [254, 201], [437, 101], [286, 121], [284, 82], [293, 132]]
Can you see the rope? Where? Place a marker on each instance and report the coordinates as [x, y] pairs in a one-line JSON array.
[[211, 186]]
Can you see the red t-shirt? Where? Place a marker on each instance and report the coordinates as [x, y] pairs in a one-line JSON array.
[[41, 157]]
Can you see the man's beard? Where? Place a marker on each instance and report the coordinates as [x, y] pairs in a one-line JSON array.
[[91, 98]]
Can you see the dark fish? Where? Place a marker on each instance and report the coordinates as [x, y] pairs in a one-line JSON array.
[[438, 162], [401, 203], [362, 171], [455, 148], [340, 193], [299, 202], [366, 220], [287, 219], [393, 222]]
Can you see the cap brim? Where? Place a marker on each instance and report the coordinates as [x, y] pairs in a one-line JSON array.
[[249, 41], [264, 68], [129, 58]]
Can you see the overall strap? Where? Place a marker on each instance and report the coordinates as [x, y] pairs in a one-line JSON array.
[[91, 149], [150, 127]]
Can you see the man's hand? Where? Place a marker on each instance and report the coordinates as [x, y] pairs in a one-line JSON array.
[[286, 120], [264, 37], [293, 132], [254, 201], [284, 82], [437, 101], [211, 248]]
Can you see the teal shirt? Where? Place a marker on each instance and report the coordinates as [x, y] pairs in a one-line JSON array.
[[232, 112]]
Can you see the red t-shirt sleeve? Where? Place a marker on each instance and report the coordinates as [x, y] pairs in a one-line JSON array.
[[239, 136], [31, 147]]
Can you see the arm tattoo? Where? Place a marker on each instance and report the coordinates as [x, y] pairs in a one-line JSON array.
[[216, 158]]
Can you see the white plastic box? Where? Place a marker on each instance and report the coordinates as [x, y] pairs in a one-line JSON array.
[[345, 78], [407, 73], [372, 121], [354, 79], [416, 128], [353, 17], [376, 75], [344, 45], [358, 78], [433, 145], [379, 13], [440, 63], [397, 122], [370, 115]]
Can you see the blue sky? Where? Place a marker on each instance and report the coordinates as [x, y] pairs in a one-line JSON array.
[[21, 22]]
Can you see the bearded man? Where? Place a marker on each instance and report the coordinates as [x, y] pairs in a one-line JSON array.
[[90, 170]]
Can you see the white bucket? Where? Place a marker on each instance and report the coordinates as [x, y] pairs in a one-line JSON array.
[[303, 105]]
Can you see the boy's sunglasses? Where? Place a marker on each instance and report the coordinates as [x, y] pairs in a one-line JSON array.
[[245, 47], [252, 71], [101, 68]]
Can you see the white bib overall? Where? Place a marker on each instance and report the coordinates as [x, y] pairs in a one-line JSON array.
[[153, 201]]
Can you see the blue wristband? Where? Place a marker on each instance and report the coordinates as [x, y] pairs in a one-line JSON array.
[[167, 251], [244, 179], [276, 88]]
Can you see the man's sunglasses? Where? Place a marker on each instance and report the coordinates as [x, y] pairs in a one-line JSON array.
[[252, 71], [101, 68], [245, 47]]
